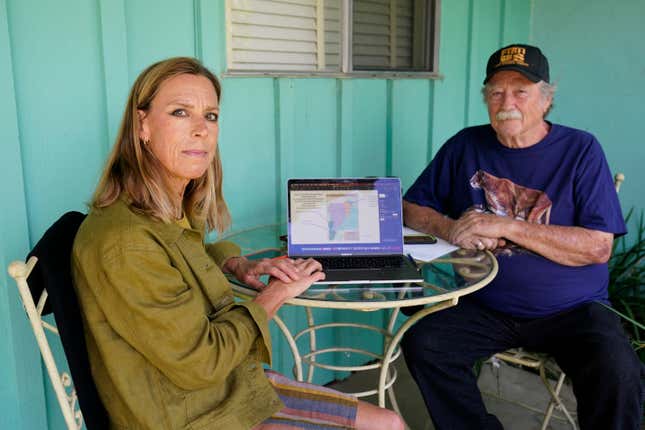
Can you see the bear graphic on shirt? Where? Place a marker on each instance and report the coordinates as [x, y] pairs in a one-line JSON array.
[[506, 198]]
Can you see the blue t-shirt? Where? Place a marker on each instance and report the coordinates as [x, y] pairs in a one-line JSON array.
[[562, 180]]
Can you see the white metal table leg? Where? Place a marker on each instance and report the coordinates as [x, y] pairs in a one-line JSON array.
[[397, 338], [312, 343], [297, 359]]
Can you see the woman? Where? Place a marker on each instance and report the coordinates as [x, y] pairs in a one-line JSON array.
[[168, 346]]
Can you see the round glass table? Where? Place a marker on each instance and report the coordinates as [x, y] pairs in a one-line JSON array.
[[446, 279]]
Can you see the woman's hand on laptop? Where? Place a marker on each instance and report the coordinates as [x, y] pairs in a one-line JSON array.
[[249, 271], [277, 291], [310, 271], [281, 268]]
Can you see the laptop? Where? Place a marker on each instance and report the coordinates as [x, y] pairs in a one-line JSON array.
[[352, 226]]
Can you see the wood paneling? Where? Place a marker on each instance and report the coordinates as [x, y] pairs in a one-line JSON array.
[[22, 399], [64, 77]]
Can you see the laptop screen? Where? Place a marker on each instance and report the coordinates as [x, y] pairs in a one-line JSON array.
[[345, 216]]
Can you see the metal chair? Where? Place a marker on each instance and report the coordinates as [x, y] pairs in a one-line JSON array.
[[545, 364], [47, 275]]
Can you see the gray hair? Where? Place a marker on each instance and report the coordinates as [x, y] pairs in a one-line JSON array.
[[546, 89], [548, 92]]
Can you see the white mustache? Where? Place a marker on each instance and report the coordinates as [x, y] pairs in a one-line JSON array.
[[508, 114]]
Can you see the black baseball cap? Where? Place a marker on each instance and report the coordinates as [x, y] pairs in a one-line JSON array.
[[526, 59]]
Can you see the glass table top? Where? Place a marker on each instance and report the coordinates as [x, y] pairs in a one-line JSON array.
[[455, 274]]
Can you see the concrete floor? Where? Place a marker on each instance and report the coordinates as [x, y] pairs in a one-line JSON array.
[[517, 397]]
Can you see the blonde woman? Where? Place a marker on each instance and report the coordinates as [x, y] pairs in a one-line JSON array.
[[168, 346]]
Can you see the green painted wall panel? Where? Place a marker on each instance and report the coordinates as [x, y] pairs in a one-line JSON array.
[[345, 131], [211, 34], [307, 141], [71, 78], [60, 103], [369, 129], [515, 30], [248, 149], [113, 45], [22, 399], [410, 114], [485, 39], [449, 93], [157, 30], [307, 128], [597, 59]]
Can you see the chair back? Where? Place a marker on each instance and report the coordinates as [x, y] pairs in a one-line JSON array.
[[47, 276], [619, 178]]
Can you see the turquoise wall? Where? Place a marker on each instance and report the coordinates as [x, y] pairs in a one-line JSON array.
[[597, 54], [66, 67]]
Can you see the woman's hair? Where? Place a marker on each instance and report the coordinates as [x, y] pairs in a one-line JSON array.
[[134, 170]]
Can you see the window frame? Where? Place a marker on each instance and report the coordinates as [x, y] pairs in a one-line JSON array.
[[346, 65]]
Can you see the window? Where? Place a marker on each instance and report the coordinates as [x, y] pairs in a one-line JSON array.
[[331, 36]]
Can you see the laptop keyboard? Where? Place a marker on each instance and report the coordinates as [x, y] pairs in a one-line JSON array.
[[364, 262]]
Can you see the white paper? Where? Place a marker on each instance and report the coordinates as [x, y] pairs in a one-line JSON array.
[[426, 252]]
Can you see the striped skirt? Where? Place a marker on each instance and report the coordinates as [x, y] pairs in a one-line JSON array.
[[309, 406]]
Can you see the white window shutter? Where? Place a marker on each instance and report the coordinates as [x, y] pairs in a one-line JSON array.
[[383, 34], [286, 35], [404, 34], [332, 35]]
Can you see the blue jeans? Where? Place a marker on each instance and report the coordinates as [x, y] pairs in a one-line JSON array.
[[588, 343]]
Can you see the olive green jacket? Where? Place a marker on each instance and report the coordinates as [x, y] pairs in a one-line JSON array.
[[168, 347]]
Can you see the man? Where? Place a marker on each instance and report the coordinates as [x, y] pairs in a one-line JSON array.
[[540, 195]]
